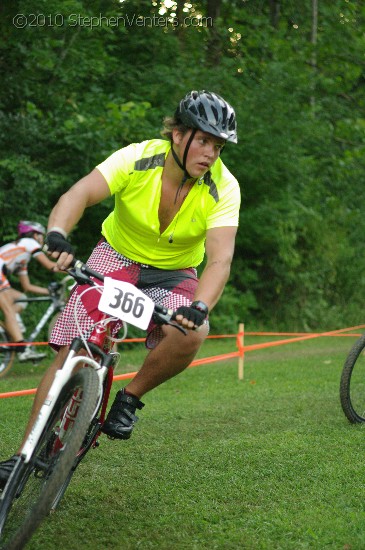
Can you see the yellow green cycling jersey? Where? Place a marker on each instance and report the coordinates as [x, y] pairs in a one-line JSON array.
[[134, 176]]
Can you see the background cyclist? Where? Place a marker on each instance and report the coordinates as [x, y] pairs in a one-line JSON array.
[[14, 259]]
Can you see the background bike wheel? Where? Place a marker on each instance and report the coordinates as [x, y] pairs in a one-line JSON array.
[[352, 385], [46, 473], [6, 356]]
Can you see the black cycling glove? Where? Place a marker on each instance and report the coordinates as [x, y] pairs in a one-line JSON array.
[[197, 313], [55, 242]]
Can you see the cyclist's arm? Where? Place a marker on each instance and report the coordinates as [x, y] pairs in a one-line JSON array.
[[27, 286], [219, 248], [88, 191]]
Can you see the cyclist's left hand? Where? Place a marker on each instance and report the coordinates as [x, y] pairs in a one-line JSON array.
[[59, 248], [189, 317]]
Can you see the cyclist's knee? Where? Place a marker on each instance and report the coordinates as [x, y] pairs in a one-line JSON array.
[[190, 343], [7, 306], [20, 305], [198, 335]]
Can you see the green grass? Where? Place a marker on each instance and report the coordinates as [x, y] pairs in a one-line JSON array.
[[217, 463]]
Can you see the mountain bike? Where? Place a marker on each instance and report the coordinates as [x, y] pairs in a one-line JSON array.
[[58, 293], [70, 420], [352, 385]]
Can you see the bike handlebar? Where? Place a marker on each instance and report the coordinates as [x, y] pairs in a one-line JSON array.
[[81, 271]]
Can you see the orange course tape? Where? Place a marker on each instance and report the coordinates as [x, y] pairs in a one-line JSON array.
[[206, 360]]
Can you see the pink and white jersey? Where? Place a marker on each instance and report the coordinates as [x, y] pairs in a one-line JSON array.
[[16, 255]]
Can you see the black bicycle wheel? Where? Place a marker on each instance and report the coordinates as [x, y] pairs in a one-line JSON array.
[[40, 480], [86, 445], [352, 385], [6, 356]]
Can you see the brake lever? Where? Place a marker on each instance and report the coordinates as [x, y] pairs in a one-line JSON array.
[[80, 277], [163, 316]]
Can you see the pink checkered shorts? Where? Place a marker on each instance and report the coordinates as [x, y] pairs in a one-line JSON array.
[[170, 288]]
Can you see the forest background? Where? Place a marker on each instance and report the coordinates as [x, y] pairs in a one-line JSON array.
[[81, 79]]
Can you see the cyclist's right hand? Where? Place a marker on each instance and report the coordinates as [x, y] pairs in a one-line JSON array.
[[59, 248]]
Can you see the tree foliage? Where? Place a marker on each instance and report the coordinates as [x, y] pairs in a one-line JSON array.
[[82, 79]]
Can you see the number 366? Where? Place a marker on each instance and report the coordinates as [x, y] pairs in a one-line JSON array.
[[127, 303]]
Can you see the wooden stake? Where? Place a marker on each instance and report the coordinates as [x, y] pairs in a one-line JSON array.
[[241, 329]]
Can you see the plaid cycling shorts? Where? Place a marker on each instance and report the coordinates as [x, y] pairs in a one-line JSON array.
[[170, 288]]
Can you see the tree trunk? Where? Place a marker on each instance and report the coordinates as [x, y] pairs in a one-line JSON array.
[[180, 18], [274, 13], [314, 51], [214, 51]]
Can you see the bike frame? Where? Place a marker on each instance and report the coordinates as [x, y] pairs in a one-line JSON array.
[[54, 307], [63, 375]]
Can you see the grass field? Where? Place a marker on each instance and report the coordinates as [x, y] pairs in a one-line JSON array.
[[217, 463]]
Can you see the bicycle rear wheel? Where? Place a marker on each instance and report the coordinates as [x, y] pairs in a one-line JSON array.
[[352, 385], [35, 487], [6, 356]]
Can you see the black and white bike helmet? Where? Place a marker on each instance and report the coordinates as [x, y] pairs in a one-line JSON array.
[[208, 112]]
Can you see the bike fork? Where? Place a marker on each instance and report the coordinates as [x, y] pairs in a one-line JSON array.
[[68, 420]]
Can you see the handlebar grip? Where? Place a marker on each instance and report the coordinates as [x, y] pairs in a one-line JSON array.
[[163, 310], [78, 264]]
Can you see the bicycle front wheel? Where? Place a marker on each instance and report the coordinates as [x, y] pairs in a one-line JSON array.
[[6, 356], [352, 385], [41, 479]]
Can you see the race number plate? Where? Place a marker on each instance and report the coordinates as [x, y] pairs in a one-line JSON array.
[[128, 303]]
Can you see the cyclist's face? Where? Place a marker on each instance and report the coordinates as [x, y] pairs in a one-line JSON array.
[[203, 152]]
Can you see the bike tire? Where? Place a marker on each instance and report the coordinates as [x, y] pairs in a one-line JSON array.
[[6, 356], [352, 384], [90, 441], [40, 480], [86, 445]]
